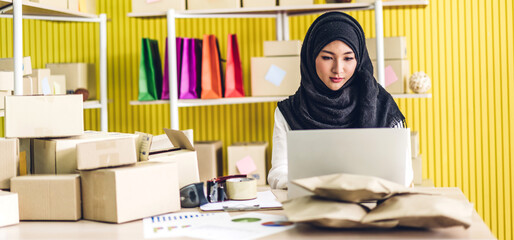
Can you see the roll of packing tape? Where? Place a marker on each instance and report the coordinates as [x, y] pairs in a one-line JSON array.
[[241, 188]]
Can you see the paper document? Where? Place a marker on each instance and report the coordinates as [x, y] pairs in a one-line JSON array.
[[264, 199]]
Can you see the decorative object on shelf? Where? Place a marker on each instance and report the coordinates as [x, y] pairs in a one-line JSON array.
[[84, 92], [419, 82], [150, 71], [234, 73], [212, 86], [189, 74]]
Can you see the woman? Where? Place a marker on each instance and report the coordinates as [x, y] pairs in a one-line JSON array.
[[337, 89]]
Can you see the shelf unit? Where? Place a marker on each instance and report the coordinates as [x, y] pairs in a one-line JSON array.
[[281, 14], [30, 10]]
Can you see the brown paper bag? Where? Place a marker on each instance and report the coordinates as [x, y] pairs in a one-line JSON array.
[[327, 213], [351, 188], [422, 211]]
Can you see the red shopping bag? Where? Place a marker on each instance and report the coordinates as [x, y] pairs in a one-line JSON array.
[[211, 68], [234, 74]]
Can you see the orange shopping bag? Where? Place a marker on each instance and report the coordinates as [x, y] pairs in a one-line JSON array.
[[234, 74], [211, 68]]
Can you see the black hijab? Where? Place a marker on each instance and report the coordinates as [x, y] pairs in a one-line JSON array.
[[360, 103]]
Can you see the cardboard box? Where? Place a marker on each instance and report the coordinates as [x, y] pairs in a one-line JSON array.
[[41, 81], [275, 76], [73, 5], [28, 88], [395, 69], [394, 48], [44, 116], [8, 161], [145, 6], [78, 75], [256, 151], [58, 84], [417, 167], [2, 98], [106, 153], [88, 6], [9, 209], [414, 143], [183, 154], [48, 197], [212, 4], [6, 81], [7, 65], [56, 4], [129, 193], [295, 2], [282, 48], [59, 155], [259, 3], [210, 157]]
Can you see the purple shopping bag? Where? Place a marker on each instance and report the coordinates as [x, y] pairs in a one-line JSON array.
[[165, 81], [189, 74]]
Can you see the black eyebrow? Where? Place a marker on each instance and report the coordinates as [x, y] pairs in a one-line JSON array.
[[349, 52]]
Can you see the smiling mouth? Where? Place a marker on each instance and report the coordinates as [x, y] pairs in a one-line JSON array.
[[336, 80]]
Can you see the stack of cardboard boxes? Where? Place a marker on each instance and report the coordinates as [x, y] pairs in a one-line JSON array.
[[396, 64], [278, 72], [248, 158]]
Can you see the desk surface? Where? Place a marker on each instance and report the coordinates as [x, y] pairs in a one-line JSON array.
[[134, 230]]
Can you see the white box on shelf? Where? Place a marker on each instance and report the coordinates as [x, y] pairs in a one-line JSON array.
[[145, 6], [282, 48], [259, 3], [6, 81], [275, 76], [295, 2], [212, 4]]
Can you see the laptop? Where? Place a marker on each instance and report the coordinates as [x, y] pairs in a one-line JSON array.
[[379, 152]]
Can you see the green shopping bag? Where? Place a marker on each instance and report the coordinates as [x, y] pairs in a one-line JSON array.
[[150, 71]]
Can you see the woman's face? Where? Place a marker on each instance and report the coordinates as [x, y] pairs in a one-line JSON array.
[[335, 64]]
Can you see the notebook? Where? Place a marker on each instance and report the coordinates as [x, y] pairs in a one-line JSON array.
[[379, 152]]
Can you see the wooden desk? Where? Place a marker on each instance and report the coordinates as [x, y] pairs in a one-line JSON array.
[[134, 230]]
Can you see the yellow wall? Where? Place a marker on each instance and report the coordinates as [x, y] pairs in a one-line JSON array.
[[466, 47]]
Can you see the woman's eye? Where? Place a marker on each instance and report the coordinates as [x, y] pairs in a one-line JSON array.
[[348, 58], [326, 57]]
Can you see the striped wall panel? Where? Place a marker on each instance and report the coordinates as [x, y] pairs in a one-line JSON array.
[[466, 47]]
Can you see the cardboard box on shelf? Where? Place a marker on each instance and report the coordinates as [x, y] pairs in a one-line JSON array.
[[73, 5], [414, 143], [275, 76], [183, 153], [8, 161], [59, 155], [28, 85], [132, 192], [43, 116], [2, 98], [145, 6], [417, 167], [48, 197], [212, 4], [7, 65], [295, 2], [58, 84], [41, 81], [6, 81], [56, 4], [9, 209], [106, 153], [78, 75], [88, 6], [282, 48], [210, 157], [259, 3], [248, 156], [394, 48], [397, 73]]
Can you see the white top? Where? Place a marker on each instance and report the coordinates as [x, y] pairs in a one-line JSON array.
[[277, 177]]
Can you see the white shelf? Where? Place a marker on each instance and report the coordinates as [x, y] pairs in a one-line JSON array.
[[211, 102], [290, 10], [2, 113], [92, 104], [33, 8], [413, 95]]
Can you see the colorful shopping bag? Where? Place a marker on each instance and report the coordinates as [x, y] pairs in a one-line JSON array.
[[189, 75], [165, 80], [212, 86], [150, 71], [234, 74]]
